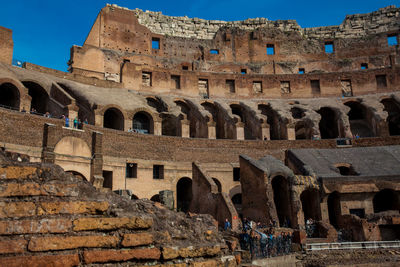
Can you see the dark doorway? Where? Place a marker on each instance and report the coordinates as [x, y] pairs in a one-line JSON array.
[[328, 125], [113, 119], [392, 107], [237, 202], [184, 194], [311, 204], [156, 198], [280, 189], [9, 96], [40, 98], [142, 123], [108, 179], [278, 127], [386, 199], [359, 123], [302, 131], [334, 210]]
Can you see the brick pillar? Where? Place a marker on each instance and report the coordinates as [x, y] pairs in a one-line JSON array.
[[239, 131], [157, 128], [49, 142], [96, 165], [127, 124], [185, 128], [291, 132], [212, 130]]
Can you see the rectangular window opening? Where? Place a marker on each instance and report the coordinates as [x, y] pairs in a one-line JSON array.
[[146, 78], [392, 40], [155, 43], [315, 87], [230, 84], [302, 71], [329, 47], [257, 87], [243, 71], [270, 49], [185, 67], [176, 81], [364, 66], [131, 170], [358, 212], [214, 51], [285, 87], [381, 82], [108, 179], [158, 171], [236, 174], [203, 87], [347, 89]]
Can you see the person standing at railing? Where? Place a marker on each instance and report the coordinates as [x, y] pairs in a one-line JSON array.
[[66, 121]]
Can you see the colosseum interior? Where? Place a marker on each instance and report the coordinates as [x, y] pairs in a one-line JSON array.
[[256, 118]]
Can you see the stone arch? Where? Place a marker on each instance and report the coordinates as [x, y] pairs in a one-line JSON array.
[[277, 125], [280, 189], [239, 111], [360, 118], [297, 113], [392, 107], [218, 183], [156, 198], [133, 196], [77, 174], [334, 209], [113, 118], [310, 203], [235, 190], [219, 122], [184, 194], [39, 95], [329, 127], [73, 154], [386, 199], [187, 114], [10, 95], [157, 103], [143, 122]]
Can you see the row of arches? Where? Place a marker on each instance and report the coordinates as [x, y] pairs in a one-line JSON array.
[[361, 119]]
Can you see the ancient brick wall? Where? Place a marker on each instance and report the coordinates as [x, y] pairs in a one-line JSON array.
[[50, 218], [6, 45]]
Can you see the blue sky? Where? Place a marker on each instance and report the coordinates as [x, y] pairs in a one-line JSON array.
[[44, 30]]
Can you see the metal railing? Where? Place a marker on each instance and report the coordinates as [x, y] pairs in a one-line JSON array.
[[353, 245]]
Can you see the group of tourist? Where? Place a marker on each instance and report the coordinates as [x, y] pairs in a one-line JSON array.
[[263, 241], [76, 123]]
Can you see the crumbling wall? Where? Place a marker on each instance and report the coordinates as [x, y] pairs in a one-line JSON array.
[[6, 45], [207, 200], [50, 218]]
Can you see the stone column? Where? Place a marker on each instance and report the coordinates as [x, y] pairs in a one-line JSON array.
[[127, 124], [291, 131], [72, 112], [265, 133], [96, 164], [49, 143], [185, 128], [157, 128], [212, 130]]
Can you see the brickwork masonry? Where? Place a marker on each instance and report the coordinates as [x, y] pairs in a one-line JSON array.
[[51, 218]]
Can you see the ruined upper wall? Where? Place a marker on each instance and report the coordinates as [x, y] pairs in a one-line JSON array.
[[384, 20], [6, 45]]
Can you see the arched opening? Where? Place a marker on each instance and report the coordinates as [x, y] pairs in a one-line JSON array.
[[392, 107], [113, 119], [143, 123], [184, 194], [134, 196], [386, 199], [219, 186], [297, 113], [237, 202], [346, 169], [280, 187], [40, 97], [278, 126], [157, 103], [170, 125], [9, 96], [239, 111], [156, 198], [311, 204], [334, 210], [329, 123], [302, 130], [359, 123], [77, 175], [219, 123]]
